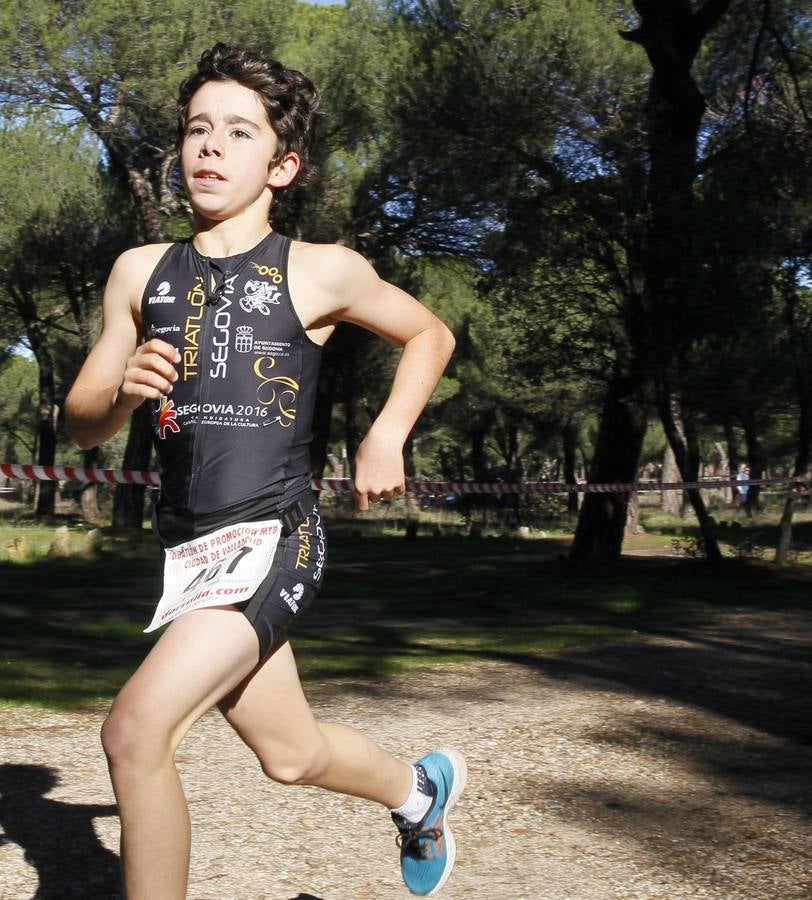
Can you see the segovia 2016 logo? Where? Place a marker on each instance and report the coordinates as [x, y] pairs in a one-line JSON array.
[[166, 418]]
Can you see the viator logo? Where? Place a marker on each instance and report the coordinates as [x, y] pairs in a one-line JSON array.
[[162, 294], [290, 598]]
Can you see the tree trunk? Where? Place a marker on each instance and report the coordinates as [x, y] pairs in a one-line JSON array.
[[724, 470], [45, 493], [758, 465], [128, 500], [733, 450], [570, 442], [148, 206], [20, 289], [734, 458], [671, 33], [81, 297], [478, 459], [89, 496], [46, 443], [633, 514], [683, 440], [514, 472], [672, 502], [798, 354], [602, 519], [801, 467], [323, 412], [785, 528], [351, 440]]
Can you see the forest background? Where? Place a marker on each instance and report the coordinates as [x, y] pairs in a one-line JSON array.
[[608, 202]]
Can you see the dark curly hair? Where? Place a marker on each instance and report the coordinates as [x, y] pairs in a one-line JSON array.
[[291, 100]]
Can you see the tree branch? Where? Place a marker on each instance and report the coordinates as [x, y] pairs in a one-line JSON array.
[[168, 200], [751, 72], [58, 312], [18, 437], [73, 298], [635, 36], [72, 331], [792, 73], [708, 15]]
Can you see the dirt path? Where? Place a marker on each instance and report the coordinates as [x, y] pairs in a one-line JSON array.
[[674, 765]]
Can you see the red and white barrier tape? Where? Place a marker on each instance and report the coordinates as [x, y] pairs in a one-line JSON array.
[[344, 485], [71, 473]]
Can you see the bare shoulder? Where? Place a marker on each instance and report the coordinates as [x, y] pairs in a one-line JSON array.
[[139, 262], [330, 284], [130, 274], [329, 264], [326, 279]]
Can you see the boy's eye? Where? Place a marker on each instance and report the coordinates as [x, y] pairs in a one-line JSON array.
[[239, 133]]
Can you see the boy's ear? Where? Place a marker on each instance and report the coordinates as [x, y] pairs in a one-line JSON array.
[[282, 171]]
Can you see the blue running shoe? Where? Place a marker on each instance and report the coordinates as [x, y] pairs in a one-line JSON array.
[[427, 849]]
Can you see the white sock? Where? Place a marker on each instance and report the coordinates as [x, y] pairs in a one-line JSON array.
[[419, 800]]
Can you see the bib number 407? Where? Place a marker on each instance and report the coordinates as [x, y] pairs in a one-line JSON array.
[[210, 573], [193, 580]]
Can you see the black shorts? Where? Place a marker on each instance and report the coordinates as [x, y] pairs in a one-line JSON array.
[[297, 571], [292, 584]]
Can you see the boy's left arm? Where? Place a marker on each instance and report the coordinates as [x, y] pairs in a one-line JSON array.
[[362, 298]]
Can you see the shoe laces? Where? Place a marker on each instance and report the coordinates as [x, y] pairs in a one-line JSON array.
[[410, 836]]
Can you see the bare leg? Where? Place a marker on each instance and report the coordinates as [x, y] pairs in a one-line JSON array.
[[270, 713], [200, 657]]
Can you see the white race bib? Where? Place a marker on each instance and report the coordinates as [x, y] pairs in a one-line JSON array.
[[226, 566]]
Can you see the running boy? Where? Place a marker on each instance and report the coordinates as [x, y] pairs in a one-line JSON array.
[[223, 334]]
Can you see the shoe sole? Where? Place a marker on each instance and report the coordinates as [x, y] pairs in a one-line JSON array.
[[460, 769]]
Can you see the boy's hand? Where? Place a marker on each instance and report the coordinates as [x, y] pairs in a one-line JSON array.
[[379, 471], [149, 375]]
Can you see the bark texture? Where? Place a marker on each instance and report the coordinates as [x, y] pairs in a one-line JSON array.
[[128, 502], [602, 521], [671, 33]]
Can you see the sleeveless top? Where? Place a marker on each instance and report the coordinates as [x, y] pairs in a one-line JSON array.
[[233, 437]]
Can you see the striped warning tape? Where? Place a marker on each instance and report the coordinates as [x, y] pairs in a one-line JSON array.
[[345, 485], [71, 473]]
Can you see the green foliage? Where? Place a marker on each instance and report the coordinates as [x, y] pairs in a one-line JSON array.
[[18, 404], [114, 63], [488, 156], [61, 230], [61, 206]]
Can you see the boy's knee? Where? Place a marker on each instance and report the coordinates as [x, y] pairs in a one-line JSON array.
[[294, 767], [128, 743]]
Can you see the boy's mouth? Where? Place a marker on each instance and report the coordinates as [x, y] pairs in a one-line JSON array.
[[208, 175]]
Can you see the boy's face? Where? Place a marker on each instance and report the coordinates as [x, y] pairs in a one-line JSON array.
[[227, 152]]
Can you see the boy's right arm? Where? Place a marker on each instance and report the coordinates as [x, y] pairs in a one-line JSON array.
[[120, 372]]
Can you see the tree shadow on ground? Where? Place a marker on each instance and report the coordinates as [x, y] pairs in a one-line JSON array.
[[747, 667], [741, 809], [736, 723], [57, 838], [749, 672]]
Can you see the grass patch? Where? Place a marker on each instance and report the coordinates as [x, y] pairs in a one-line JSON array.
[[71, 629]]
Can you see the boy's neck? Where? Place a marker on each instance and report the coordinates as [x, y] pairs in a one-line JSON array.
[[219, 240]]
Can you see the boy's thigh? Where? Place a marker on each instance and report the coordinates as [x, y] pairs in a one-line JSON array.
[[198, 660], [269, 707]]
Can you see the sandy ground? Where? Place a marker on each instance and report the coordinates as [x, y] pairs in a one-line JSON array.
[[672, 765]]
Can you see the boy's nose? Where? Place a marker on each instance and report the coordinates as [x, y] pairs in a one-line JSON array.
[[212, 146]]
